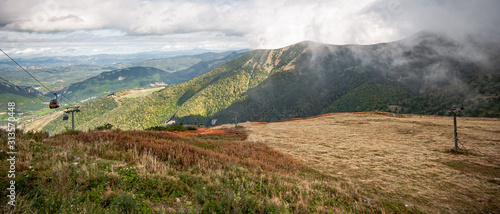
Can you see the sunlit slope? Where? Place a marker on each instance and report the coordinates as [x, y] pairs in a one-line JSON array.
[[200, 97]]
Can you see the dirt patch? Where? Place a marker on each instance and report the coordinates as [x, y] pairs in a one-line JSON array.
[[38, 124], [140, 92]]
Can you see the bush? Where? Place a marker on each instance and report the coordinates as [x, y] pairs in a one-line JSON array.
[[106, 126], [179, 128], [37, 136], [126, 203], [71, 132]]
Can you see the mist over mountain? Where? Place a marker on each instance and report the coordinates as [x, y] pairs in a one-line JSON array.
[[424, 74]]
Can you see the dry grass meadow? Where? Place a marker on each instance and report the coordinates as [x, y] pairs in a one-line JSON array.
[[397, 160], [115, 171], [337, 163]]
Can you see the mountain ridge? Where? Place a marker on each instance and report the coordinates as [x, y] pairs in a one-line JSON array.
[[308, 78]]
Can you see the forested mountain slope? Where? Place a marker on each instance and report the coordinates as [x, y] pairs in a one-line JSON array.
[[25, 97], [424, 74]]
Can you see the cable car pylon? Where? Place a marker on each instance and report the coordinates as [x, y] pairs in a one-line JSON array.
[[71, 110]]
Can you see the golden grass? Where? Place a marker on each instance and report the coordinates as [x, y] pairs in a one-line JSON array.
[[340, 163], [391, 159], [95, 172]]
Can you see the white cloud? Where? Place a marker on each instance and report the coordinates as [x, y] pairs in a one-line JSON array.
[[155, 25]]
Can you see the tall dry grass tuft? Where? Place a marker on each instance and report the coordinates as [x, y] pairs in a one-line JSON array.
[[182, 152], [149, 164]]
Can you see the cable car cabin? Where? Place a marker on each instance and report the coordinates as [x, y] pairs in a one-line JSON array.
[[54, 104], [65, 117]]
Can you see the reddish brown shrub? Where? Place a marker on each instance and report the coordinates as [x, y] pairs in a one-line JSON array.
[[186, 152]]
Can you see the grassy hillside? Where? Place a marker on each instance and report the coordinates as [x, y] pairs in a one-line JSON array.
[[400, 163], [150, 172], [339, 163]]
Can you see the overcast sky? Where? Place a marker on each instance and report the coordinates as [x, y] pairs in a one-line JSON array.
[[74, 27]]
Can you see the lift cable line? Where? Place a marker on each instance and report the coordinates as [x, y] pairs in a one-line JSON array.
[[53, 103], [29, 93], [33, 76]]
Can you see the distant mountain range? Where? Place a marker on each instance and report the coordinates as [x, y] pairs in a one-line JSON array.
[[138, 77], [59, 72], [423, 74], [108, 59]]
